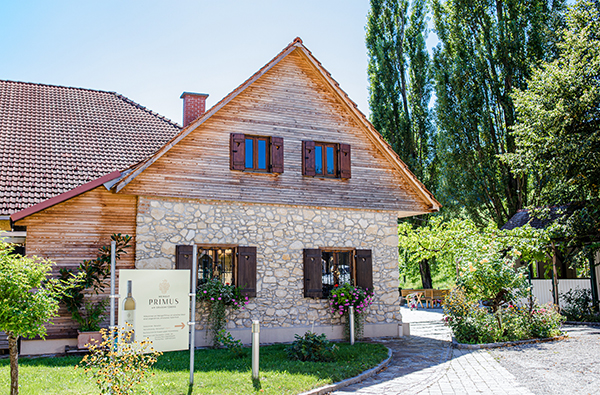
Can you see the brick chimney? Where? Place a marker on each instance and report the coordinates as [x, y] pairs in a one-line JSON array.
[[194, 106]]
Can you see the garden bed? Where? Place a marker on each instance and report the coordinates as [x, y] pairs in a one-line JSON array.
[[467, 346], [216, 371]]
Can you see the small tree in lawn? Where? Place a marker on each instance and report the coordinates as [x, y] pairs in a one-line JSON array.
[[28, 300]]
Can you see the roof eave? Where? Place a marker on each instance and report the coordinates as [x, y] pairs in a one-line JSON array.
[[64, 196]]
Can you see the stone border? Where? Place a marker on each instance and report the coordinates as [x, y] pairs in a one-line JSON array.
[[582, 323], [458, 345], [344, 383]]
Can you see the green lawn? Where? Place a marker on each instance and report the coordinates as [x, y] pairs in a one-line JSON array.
[[216, 372]]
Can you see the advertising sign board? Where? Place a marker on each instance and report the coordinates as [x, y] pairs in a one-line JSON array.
[[156, 303]]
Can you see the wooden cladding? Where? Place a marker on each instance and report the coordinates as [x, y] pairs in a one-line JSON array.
[[290, 102], [326, 159], [255, 153], [72, 231]]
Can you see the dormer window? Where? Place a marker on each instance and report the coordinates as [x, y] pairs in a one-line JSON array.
[[260, 154]]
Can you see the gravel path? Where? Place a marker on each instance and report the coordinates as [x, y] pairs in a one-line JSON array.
[[569, 366]]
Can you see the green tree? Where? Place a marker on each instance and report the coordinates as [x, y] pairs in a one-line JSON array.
[[386, 46], [487, 50], [28, 300], [557, 135]]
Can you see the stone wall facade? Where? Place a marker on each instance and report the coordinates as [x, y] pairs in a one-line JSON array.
[[280, 234]]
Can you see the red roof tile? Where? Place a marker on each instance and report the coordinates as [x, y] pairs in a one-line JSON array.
[[55, 138]]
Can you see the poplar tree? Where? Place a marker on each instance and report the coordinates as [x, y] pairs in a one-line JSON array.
[[486, 51]]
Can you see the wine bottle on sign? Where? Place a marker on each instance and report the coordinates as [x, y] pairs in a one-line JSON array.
[[129, 311]]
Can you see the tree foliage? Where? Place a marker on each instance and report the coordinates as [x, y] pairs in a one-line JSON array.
[[487, 50], [28, 300], [557, 135], [453, 245], [400, 80]]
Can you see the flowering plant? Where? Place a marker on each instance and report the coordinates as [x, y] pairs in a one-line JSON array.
[[119, 363], [346, 295], [217, 297]]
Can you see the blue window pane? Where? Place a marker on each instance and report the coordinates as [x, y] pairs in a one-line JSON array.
[[249, 154], [318, 159], [330, 166], [262, 154]]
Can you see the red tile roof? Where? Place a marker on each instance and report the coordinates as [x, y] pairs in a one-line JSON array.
[[54, 139]]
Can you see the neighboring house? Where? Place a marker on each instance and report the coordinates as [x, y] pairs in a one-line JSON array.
[[540, 273], [284, 187]]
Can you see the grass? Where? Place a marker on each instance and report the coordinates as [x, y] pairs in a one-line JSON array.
[[439, 281], [216, 372]]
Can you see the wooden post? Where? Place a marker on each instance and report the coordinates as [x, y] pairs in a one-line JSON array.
[[593, 280], [555, 277]]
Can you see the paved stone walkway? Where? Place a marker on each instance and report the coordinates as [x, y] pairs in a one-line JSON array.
[[424, 363]]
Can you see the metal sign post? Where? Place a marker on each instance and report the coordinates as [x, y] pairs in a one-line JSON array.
[[192, 322], [113, 296]]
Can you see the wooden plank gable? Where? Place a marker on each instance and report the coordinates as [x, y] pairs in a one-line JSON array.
[[291, 100]]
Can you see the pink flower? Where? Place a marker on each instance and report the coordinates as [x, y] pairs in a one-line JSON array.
[[212, 298], [219, 298], [204, 291]]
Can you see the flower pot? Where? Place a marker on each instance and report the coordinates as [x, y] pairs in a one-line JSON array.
[[85, 338]]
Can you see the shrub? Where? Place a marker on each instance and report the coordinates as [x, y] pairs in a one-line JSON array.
[[579, 306], [233, 345], [311, 347], [473, 324], [545, 321]]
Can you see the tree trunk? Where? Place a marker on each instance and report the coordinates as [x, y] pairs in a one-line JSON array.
[[14, 363], [425, 270]]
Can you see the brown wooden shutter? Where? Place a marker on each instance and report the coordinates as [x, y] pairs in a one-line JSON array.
[[364, 270], [246, 270], [276, 154], [183, 259], [344, 161], [308, 158], [313, 282], [237, 154]]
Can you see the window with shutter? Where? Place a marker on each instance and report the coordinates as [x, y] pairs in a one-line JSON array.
[[231, 265], [327, 268], [259, 154], [326, 159]]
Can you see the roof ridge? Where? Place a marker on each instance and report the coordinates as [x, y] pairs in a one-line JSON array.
[[146, 109], [120, 96]]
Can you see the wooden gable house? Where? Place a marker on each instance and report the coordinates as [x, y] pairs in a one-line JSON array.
[[283, 187]]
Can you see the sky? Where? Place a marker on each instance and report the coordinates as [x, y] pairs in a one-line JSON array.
[[152, 51]]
